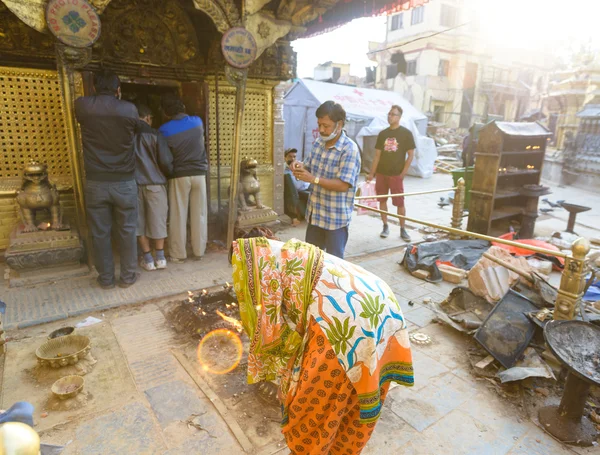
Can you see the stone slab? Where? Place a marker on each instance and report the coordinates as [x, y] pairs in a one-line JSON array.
[[46, 276], [174, 404], [130, 430], [20, 381], [389, 424], [424, 407], [175, 401]]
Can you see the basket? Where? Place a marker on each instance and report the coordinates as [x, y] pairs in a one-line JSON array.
[[63, 351], [68, 387]]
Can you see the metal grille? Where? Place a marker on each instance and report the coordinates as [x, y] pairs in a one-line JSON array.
[[257, 133], [32, 124]]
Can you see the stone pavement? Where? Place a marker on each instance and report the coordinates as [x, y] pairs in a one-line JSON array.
[[448, 411], [44, 303]]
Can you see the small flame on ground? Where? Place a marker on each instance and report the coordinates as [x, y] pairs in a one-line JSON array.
[[204, 292], [237, 324]]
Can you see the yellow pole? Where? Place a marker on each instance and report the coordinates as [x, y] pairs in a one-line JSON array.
[[240, 83], [360, 198], [463, 233], [572, 281], [458, 206]]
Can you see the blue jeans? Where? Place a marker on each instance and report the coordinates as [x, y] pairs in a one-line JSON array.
[[109, 203], [332, 242]]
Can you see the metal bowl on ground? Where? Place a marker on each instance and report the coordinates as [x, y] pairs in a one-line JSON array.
[[68, 387], [63, 351], [62, 332]]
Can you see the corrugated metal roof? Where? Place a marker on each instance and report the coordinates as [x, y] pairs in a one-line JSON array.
[[522, 128], [591, 110]]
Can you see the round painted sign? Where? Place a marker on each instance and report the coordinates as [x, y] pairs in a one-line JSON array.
[[74, 22], [239, 47]]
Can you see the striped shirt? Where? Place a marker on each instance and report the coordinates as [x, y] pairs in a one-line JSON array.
[[329, 209]]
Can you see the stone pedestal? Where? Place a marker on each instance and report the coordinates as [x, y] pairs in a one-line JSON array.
[[256, 217], [43, 256]]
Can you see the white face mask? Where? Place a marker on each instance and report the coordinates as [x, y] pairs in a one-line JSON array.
[[331, 136]]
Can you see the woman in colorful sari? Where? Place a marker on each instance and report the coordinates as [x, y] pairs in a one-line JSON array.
[[329, 333]]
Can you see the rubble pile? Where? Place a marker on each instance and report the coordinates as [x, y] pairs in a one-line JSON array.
[[504, 300]]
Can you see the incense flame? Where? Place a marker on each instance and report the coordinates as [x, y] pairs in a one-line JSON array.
[[237, 324]]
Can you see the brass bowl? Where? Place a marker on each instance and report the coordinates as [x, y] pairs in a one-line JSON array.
[[62, 332], [63, 351], [67, 387]]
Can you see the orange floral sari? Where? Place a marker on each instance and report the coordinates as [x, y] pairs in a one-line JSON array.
[[329, 332]]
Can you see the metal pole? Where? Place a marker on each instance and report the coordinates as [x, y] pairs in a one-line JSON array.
[[458, 206], [572, 281], [360, 198], [463, 233], [239, 78], [217, 125]]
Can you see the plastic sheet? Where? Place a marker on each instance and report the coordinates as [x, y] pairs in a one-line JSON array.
[[463, 254], [367, 189]]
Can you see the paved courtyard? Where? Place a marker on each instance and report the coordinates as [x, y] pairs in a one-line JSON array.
[[157, 388]]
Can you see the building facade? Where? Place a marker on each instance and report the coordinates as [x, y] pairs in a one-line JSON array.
[[568, 92], [436, 57]]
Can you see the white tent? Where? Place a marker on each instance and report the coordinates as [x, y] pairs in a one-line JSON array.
[[366, 111]]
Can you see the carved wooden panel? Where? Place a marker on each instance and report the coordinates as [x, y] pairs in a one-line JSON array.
[[257, 133], [32, 124]]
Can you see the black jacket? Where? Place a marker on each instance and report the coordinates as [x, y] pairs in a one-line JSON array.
[[108, 127], [185, 135], [154, 162]]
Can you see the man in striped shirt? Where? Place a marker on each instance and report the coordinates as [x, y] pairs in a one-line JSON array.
[[332, 167]]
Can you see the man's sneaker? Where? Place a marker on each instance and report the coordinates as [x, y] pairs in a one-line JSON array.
[[161, 264], [404, 235], [385, 232], [147, 266]]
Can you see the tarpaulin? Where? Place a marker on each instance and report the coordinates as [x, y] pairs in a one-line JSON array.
[[463, 254], [558, 263], [593, 293]]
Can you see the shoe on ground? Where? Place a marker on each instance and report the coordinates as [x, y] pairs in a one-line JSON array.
[[106, 286], [123, 284], [404, 235], [176, 260], [147, 266], [161, 264], [386, 232]]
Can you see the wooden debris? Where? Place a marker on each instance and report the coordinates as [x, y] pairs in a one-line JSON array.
[[482, 364], [452, 274], [422, 274]]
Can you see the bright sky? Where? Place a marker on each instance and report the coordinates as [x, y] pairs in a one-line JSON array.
[[556, 25], [347, 44]]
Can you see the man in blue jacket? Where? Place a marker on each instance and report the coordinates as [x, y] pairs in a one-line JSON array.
[[108, 127], [187, 186]]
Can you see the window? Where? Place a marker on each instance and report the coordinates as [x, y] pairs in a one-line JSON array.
[[448, 18], [397, 22], [443, 67], [411, 67], [391, 71], [438, 113], [337, 72], [417, 15]]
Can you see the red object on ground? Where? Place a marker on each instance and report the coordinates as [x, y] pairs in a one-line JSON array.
[[524, 251]]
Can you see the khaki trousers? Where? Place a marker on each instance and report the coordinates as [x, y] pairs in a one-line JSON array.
[[187, 192]]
